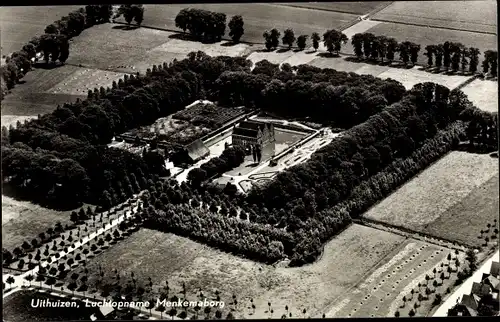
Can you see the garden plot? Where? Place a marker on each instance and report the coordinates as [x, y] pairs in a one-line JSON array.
[[85, 79], [345, 263], [483, 93], [380, 293], [423, 200]]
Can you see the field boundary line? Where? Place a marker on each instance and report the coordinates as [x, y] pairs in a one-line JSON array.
[[98, 68], [433, 27], [310, 8], [377, 10], [439, 241]]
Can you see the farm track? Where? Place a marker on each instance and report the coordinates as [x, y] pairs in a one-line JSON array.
[[412, 234]]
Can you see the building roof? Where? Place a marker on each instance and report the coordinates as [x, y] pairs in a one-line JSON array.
[[469, 302], [245, 132], [493, 282], [197, 150], [495, 269], [250, 128], [480, 289]]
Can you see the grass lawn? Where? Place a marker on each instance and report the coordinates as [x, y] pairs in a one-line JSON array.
[[432, 36], [346, 261], [354, 7], [429, 199], [18, 308], [258, 17], [22, 220], [483, 93], [480, 16], [20, 24], [380, 294]]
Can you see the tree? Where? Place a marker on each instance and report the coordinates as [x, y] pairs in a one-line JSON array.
[[301, 41], [74, 217], [473, 59], [429, 52], [315, 40], [236, 29], [288, 38], [396, 314], [392, 48], [333, 40], [72, 287], [357, 44], [30, 278], [464, 54], [138, 12], [414, 49], [268, 40], [10, 280]]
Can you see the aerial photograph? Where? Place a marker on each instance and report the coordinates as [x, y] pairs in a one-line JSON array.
[[249, 160]]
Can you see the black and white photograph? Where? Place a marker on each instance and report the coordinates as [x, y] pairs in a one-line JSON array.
[[217, 160]]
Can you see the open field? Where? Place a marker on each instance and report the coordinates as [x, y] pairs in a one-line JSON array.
[[464, 220], [258, 17], [380, 294], [346, 261], [431, 36], [83, 80], [484, 94], [19, 25], [435, 195], [354, 7], [114, 47], [478, 16], [22, 220], [18, 308]]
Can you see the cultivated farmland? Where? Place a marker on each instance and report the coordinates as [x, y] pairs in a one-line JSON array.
[[476, 16], [346, 261], [380, 294], [20, 24], [258, 17], [429, 201]]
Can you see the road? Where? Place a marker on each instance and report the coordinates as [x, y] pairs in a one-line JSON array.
[[19, 280], [466, 287]]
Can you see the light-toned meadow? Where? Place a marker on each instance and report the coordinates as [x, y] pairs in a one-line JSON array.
[[423, 200]]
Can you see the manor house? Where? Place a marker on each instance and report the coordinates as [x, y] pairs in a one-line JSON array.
[[253, 133]]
